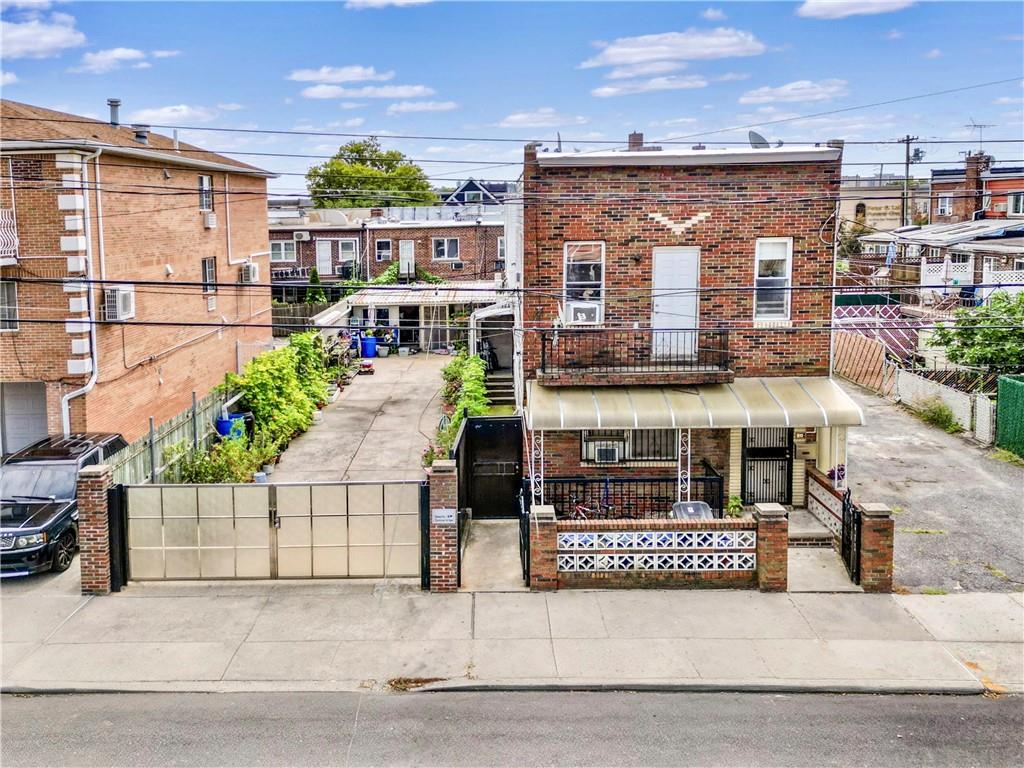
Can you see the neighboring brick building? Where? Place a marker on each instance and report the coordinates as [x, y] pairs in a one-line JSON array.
[[980, 190], [653, 371], [99, 201], [452, 250]]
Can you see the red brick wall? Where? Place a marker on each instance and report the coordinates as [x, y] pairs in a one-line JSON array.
[[478, 249], [998, 189], [963, 206], [793, 204], [94, 530], [444, 538], [305, 250]]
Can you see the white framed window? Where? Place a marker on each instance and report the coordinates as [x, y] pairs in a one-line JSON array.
[[282, 250], [383, 250], [944, 206], [934, 253], [583, 280], [1018, 265], [959, 258], [446, 248], [501, 247], [209, 267], [347, 249], [8, 305], [205, 193], [600, 446], [773, 267], [1015, 204], [472, 196]]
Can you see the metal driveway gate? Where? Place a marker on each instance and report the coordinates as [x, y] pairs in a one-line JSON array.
[[286, 530], [849, 539]]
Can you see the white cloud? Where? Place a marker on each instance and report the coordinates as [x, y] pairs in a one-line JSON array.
[[403, 107], [177, 113], [142, 65], [7, 78], [39, 38], [353, 122], [230, 106], [713, 14], [673, 83], [934, 53], [730, 77], [27, 5], [352, 105], [679, 121], [101, 62], [360, 5], [367, 92], [352, 73], [689, 45], [799, 90], [165, 54], [894, 34], [840, 9], [819, 128], [545, 117], [1009, 100], [645, 69]]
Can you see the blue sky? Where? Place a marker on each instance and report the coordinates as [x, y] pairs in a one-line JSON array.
[[591, 71]]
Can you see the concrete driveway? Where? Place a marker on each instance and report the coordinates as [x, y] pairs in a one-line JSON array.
[[378, 428], [959, 512]]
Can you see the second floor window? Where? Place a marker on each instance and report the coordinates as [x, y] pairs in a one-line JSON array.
[[446, 248], [209, 275], [282, 250], [584, 283], [8, 306], [1015, 204], [206, 193], [383, 250], [959, 258], [773, 264], [944, 206], [501, 247], [473, 196]]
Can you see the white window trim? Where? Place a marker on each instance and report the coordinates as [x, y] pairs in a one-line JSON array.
[[944, 205], [376, 249], [446, 241], [282, 243], [565, 276], [501, 247], [204, 192], [208, 288], [1015, 204], [789, 278], [17, 317], [467, 192], [1018, 265]]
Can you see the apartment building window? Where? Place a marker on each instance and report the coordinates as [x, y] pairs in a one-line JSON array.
[[772, 271], [602, 446], [1015, 204], [584, 283], [347, 250], [473, 196], [282, 250], [205, 193], [209, 275], [383, 250], [446, 248], [944, 207], [1018, 265], [501, 247], [934, 253], [8, 306], [959, 258]]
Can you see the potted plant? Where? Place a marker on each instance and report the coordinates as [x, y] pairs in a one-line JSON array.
[[734, 508]]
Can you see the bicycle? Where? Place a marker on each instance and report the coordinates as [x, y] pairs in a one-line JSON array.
[[580, 511]]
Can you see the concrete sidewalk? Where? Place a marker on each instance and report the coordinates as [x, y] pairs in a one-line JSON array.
[[360, 635]]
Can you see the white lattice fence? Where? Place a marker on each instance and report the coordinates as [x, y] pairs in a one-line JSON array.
[[693, 551], [823, 503]]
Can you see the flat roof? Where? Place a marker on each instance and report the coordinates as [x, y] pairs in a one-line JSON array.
[[947, 234], [691, 157], [428, 294]]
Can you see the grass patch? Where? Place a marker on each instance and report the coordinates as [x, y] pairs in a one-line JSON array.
[[1001, 454], [996, 572], [896, 510], [501, 410], [925, 531], [934, 591], [935, 412]]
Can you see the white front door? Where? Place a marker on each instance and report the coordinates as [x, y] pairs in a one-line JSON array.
[[324, 263], [676, 271], [23, 412]]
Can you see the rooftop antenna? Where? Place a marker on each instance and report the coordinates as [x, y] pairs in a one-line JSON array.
[[757, 141], [980, 128]]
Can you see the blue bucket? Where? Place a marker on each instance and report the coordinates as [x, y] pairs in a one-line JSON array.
[[369, 346], [233, 426]]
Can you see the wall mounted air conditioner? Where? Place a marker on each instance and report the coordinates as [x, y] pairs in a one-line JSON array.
[[119, 303], [341, 269], [210, 220], [582, 312], [606, 454], [999, 207], [249, 273], [457, 265], [301, 236]]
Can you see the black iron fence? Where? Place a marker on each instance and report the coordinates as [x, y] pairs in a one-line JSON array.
[[631, 497], [624, 350]]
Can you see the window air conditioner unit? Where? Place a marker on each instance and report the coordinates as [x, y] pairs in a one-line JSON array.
[[457, 265], [300, 236], [999, 207], [119, 303], [499, 265], [210, 220], [606, 454], [343, 270], [249, 273], [582, 312]]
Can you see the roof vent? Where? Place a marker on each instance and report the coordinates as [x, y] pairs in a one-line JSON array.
[[141, 133], [115, 105]]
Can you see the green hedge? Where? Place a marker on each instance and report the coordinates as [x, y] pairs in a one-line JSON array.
[[466, 391], [1010, 414]]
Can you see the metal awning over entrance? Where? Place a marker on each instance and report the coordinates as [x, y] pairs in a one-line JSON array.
[[754, 402]]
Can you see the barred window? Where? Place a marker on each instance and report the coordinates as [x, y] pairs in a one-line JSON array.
[[632, 444]]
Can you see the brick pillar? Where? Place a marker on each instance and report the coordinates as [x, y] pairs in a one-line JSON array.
[[772, 547], [444, 536], [94, 529], [543, 548], [876, 547]]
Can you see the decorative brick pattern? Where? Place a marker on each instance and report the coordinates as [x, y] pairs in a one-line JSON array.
[[444, 538], [94, 529], [876, 548], [772, 547]]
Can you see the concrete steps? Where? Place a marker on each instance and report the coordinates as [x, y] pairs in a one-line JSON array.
[[500, 388]]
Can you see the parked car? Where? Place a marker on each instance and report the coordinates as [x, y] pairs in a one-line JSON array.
[[38, 508]]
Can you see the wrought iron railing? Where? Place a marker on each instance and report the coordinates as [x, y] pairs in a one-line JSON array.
[[638, 497], [633, 350]]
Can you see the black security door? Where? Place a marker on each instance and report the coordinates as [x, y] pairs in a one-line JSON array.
[[767, 466]]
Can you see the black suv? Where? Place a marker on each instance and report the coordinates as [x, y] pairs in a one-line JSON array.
[[38, 511]]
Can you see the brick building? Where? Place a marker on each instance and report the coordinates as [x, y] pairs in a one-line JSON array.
[[88, 201], [664, 356], [981, 189]]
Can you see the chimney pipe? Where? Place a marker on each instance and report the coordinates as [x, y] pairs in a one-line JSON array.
[[141, 133], [114, 105], [636, 141]]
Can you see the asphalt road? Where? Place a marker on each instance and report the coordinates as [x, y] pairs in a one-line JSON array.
[[529, 728]]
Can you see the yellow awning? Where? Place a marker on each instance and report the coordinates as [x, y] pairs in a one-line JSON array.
[[761, 402]]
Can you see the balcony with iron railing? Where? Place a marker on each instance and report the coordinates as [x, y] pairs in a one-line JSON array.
[[632, 356]]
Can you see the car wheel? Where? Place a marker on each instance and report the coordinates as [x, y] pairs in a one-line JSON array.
[[63, 552]]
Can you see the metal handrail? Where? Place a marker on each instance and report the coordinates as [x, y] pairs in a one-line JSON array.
[[633, 350]]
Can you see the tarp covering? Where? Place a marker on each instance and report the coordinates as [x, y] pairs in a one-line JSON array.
[[759, 402]]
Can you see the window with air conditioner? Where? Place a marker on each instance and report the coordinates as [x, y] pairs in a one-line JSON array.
[[603, 446], [8, 305], [209, 271], [205, 193], [446, 249], [583, 276], [383, 250], [119, 303], [282, 250], [605, 453], [773, 261]]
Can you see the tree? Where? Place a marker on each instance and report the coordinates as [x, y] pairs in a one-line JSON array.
[[315, 293], [990, 336], [361, 175]]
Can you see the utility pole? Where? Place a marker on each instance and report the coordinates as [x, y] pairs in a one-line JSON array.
[[906, 140]]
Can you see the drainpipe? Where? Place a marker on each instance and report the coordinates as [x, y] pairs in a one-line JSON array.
[[65, 401]]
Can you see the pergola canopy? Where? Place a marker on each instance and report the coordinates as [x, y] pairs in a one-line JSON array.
[[752, 402]]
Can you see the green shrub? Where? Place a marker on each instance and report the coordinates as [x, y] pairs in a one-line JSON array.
[[271, 389], [309, 365], [935, 412], [465, 390]]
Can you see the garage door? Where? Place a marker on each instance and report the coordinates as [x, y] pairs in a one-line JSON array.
[[23, 414]]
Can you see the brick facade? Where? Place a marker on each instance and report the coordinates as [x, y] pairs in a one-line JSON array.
[[444, 538], [772, 547], [94, 529], [876, 548]]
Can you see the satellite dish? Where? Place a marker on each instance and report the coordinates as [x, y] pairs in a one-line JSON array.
[[757, 141]]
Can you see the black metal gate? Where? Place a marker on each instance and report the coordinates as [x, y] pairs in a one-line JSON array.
[[117, 527], [767, 466], [489, 454], [524, 530], [849, 541]]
